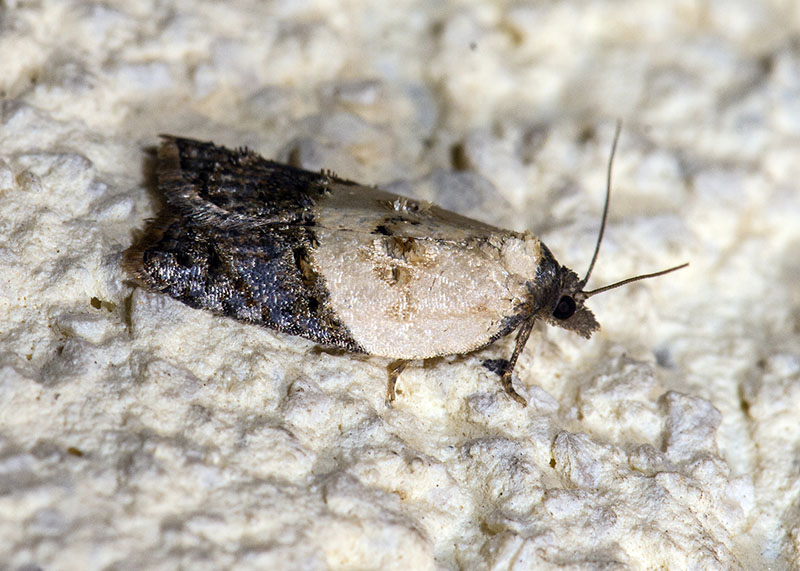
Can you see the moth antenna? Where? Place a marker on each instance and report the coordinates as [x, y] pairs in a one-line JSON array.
[[588, 294], [617, 132]]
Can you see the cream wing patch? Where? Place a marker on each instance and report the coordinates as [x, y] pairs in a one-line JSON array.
[[407, 295]]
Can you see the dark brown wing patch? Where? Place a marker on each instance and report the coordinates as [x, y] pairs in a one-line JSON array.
[[235, 240]]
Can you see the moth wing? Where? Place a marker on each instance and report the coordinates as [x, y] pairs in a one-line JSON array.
[[412, 280], [205, 182], [356, 208], [212, 184]]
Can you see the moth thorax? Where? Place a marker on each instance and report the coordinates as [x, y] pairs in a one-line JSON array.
[[522, 254]]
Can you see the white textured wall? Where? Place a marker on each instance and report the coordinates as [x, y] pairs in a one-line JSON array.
[[136, 433]]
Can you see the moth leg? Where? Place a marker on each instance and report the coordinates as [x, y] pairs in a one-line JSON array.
[[522, 338], [395, 368]]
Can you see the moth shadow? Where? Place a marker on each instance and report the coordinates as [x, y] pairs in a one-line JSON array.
[[328, 350], [149, 231], [149, 172]]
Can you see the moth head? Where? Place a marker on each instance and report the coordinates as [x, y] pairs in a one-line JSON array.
[[568, 310]]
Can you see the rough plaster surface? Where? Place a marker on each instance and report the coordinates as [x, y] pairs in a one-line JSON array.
[[136, 433]]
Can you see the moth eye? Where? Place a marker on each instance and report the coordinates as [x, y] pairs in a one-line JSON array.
[[565, 308]]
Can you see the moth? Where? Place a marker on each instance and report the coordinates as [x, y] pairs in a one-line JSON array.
[[350, 266]]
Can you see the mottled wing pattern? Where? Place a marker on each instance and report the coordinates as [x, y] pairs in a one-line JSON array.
[[236, 240], [234, 188]]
